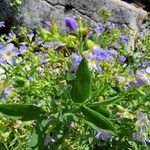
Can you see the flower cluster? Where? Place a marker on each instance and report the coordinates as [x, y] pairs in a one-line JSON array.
[[124, 39], [8, 52], [142, 124], [94, 57], [101, 27], [138, 79]]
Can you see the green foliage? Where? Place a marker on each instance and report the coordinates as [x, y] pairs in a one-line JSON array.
[[108, 101], [38, 136], [22, 112], [48, 104], [81, 85], [102, 110], [15, 4], [97, 119]]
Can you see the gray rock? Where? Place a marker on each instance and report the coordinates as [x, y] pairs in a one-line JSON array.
[[5, 9], [32, 11]]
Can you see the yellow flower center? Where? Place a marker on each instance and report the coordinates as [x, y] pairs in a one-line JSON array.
[[141, 135], [143, 120], [131, 79], [7, 54], [148, 75], [92, 61]]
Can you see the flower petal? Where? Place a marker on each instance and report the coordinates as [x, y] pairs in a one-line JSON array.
[[10, 60], [9, 47]]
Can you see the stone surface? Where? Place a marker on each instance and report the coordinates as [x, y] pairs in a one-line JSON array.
[[33, 11], [7, 15], [5, 9], [145, 4]]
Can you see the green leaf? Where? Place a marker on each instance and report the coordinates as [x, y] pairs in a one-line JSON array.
[[108, 101], [37, 139], [102, 110], [141, 92], [99, 90], [97, 119], [118, 89], [70, 76], [21, 112], [39, 135], [92, 125], [81, 85], [34, 140], [97, 128]]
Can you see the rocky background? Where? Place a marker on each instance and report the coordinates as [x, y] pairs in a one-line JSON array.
[[33, 11]]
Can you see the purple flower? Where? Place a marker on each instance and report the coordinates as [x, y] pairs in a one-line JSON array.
[[8, 53], [110, 25], [141, 72], [5, 93], [42, 56], [30, 35], [76, 59], [99, 28], [22, 48], [123, 38], [103, 135], [120, 79], [57, 45], [46, 22], [47, 44], [100, 53], [71, 23], [143, 26], [112, 52], [121, 59], [93, 62], [2, 24], [11, 36], [127, 85], [1, 59], [141, 137], [38, 41], [2, 45], [144, 74], [141, 125], [30, 78], [141, 34], [138, 82], [105, 6], [142, 119], [88, 35], [124, 25], [131, 72], [145, 62], [148, 70], [73, 67]]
